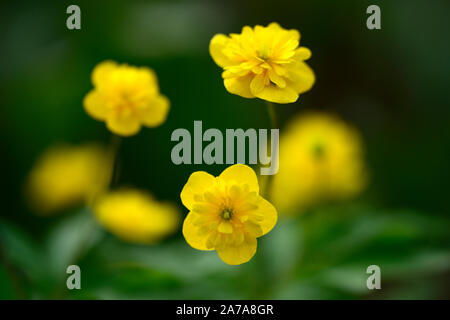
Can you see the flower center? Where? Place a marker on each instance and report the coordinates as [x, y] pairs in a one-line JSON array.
[[319, 150], [126, 104], [263, 56], [263, 53], [226, 214]]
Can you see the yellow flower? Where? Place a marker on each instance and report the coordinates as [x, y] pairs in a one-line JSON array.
[[263, 62], [321, 158], [226, 213], [125, 97], [65, 176], [135, 216]]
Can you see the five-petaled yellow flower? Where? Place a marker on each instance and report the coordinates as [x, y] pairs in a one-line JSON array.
[[227, 214], [65, 176], [126, 98], [263, 62], [321, 159], [135, 216]]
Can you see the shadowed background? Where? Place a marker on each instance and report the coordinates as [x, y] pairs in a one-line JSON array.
[[391, 84]]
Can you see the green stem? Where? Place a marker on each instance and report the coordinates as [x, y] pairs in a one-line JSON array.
[[113, 152], [110, 175], [274, 125], [272, 115]]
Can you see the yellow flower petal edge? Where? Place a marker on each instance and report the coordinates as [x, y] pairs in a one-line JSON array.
[[126, 98], [263, 62], [227, 214], [135, 216]]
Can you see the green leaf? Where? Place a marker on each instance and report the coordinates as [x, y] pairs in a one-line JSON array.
[[6, 284], [69, 241], [18, 248]]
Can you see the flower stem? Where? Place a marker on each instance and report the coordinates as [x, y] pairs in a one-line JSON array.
[[109, 175], [272, 115], [114, 146], [274, 125]]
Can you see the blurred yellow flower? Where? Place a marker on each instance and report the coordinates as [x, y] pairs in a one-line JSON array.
[[66, 176], [125, 97], [321, 158], [135, 216], [263, 62], [227, 213]]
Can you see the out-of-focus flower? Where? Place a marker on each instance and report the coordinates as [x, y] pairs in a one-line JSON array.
[[321, 158], [66, 176], [126, 98], [227, 213], [135, 216], [263, 62]]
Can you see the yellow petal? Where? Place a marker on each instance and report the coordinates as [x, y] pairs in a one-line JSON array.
[[268, 213], [198, 183], [156, 112], [253, 229], [225, 227], [211, 241], [123, 125], [216, 47], [235, 255], [148, 76], [95, 106], [191, 233], [258, 83], [241, 174], [278, 95], [301, 78], [302, 53], [288, 37], [204, 208], [102, 71], [239, 86], [274, 26], [275, 78]]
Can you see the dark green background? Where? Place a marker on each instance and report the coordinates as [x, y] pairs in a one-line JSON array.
[[391, 83]]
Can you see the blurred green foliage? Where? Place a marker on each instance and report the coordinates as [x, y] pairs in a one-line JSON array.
[[323, 255], [391, 84]]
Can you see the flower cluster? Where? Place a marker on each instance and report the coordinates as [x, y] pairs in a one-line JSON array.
[[320, 155]]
